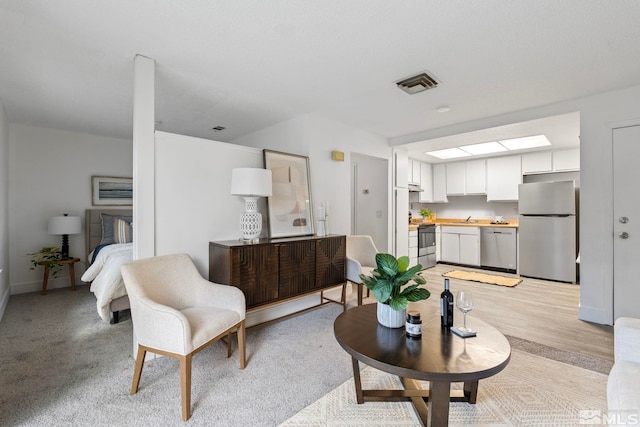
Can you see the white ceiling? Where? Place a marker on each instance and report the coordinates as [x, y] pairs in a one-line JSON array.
[[248, 64]]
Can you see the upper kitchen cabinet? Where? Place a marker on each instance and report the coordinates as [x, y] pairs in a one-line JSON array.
[[440, 183], [566, 160], [455, 179], [413, 174], [426, 183], [476, 176], [466, 177], [551, 161], [504, 174], [400, 166], [539, 162]]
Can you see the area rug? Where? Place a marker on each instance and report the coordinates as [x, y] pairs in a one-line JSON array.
[[491, 279], [530, 391]]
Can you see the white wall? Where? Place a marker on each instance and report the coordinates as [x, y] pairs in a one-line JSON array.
[[598, 115], [4, 210], [315, 136], [463, 206], [50, 174], [193, 203]]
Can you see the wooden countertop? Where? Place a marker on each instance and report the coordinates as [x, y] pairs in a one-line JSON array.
[[513, 223]]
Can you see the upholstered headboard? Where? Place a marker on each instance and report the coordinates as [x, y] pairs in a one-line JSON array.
[[93, 226]]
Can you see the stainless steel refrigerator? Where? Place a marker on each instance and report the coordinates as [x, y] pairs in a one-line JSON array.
[[547, 230]]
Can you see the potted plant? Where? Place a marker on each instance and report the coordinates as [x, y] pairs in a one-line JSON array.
[[387, 282], [47, 255], [426, 213]]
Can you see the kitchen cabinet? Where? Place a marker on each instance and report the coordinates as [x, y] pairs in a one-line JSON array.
[[456, 178], [466, 177], [476, 177], [413, 174], [440, 183], [426, 183], [566, 160], [271, 271], [460, 245], [413, 247], [539, 162], [504, 174]]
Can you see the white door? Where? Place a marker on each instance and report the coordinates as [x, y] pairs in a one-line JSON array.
[[369, 201], [626, 221]]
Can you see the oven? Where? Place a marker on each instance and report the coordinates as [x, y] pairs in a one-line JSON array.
[[427, 245]]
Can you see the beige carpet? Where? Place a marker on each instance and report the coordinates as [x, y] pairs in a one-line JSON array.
[[531, 391], [492, 279]]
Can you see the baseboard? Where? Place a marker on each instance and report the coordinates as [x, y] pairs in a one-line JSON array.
[[4, 301], [36, 286]]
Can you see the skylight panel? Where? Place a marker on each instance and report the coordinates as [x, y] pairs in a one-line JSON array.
[[448, 153], [484, 148], [526, 142]]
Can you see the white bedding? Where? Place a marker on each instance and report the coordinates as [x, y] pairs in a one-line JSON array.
[[104, 275]]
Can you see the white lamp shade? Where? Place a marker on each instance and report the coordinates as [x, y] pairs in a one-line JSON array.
[[65, 225], [251, 182]]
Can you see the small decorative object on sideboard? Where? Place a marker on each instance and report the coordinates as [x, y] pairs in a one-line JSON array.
[[387, 281]]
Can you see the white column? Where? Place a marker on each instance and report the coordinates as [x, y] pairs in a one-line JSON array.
[[143, 157]]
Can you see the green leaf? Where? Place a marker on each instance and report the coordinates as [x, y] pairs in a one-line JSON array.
[[418, 295], [403, 263], [399, 303]]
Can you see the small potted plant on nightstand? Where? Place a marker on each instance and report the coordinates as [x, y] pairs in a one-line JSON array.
[[47, 255], [387, 283]]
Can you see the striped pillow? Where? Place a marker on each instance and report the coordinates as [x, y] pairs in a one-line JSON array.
[[122, 232]]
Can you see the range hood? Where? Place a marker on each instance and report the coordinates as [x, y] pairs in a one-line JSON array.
[[414, 188]]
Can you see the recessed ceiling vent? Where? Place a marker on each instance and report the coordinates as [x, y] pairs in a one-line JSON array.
[[218, 128], [418, 83]]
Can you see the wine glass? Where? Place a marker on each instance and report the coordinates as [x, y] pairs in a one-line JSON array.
[[464, 302]]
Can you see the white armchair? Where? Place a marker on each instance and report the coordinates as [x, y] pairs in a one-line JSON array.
[[623, 385], [177, 313], [361, 259]]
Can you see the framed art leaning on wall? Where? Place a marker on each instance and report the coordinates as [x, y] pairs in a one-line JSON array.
[[289, 207], [111, 191]]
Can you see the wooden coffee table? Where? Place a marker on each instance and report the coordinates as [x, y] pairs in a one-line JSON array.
[[439, 357]]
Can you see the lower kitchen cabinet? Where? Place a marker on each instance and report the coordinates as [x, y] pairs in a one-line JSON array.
[[460, 245], [413, 247], [275, 270]]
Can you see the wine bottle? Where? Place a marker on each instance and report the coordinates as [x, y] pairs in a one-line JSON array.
[[446, 306]]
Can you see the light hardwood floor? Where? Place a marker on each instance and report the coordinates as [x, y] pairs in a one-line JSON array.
[[536, 310]]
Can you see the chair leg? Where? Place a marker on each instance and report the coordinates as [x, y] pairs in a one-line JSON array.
[[185, 385], [138, 369], [229, 335], [360, 286], [343, 297], [241, 345]]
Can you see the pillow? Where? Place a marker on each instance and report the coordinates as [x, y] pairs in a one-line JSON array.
[[107, 227], [122, 232]]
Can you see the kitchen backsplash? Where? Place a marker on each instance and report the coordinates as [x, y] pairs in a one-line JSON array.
[[463, 206]]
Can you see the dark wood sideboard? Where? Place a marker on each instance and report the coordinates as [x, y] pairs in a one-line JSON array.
[[274, 270]]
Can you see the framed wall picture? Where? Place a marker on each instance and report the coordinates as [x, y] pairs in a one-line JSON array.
[[111, 191], [290, 208]]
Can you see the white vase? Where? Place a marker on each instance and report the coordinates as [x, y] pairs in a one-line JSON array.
[[391, 318]]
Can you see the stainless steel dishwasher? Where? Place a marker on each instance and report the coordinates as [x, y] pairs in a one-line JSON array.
[[498, 248]]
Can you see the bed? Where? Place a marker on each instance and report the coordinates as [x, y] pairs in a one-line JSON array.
[[104, 272]]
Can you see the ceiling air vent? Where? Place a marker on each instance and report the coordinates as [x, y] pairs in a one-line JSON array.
[[418, 83], [218, 128]]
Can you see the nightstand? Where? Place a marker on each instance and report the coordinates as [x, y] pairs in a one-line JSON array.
[[72, 274]]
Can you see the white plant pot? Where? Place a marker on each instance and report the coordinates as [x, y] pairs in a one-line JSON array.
[[391, 318]]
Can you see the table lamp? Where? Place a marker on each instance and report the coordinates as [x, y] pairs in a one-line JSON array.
[[251, 183], [65, 225]]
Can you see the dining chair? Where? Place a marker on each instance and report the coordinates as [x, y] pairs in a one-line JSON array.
[[177, 313]]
